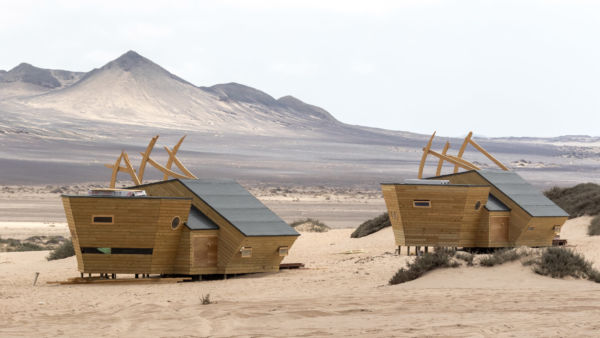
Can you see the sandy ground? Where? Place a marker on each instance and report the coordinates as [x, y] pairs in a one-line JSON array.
[[336, 295]]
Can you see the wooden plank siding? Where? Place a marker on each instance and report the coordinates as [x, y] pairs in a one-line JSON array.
[[265, 254], [137, 223], [449, 221], [539, 231], [520, 221], [391, 201], [230, 239]]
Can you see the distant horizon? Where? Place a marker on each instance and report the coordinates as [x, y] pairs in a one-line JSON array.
[[499, 68]]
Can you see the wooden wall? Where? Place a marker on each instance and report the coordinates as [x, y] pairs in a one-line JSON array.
[[452, 219], [230, 239], [520, 221], [138, 223], [391, 201]]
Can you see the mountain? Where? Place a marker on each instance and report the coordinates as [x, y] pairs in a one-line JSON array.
[[61, 126], [27, 80], [133, 90]]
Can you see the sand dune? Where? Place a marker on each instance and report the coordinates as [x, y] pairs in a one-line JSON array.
[[337, 295]]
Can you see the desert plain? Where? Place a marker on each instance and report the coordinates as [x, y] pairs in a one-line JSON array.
[[342, 291]]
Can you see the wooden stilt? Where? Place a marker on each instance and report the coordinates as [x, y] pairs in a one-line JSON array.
[[426, 249], [136, 276], [408, 250]]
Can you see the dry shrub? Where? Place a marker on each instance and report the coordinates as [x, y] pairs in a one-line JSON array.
[[465, 256], [440, 258], [564, 262], [63, 251], [310, 225], [582, 199], [594, 227], [372, 226], [502, 256]]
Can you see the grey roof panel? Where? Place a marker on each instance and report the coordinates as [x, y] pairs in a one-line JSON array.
[[522, 193], [239, 207], [198, 221], [494, 204]]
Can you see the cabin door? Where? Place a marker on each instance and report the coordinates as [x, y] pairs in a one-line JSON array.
[[499, 228], [204, 251]]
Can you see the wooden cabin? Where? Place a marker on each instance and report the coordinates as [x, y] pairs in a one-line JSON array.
[[182, 226], [475, 208]]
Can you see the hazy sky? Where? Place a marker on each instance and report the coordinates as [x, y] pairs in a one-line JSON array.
[[499, 68]]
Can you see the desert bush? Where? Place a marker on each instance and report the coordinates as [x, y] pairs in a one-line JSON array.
[[594, 227], [62, 251], [310, 225], [563, 262], [16, 245], [440, 258], [501, 256], [579, 200], [465, 256], [205, 300], [371, 226]]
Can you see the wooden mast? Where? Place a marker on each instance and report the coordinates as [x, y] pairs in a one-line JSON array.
[[441, 162], [145, 156], [172, 156], [424, 157]]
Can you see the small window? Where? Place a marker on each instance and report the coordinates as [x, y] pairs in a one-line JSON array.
[[283, 250], [477, 205], [531, 228], [175, 222], [102, 219], [246, 252], [422, 204], [556, 229]]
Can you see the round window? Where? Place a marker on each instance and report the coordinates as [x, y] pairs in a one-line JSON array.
[[477, 205], [175, 222]]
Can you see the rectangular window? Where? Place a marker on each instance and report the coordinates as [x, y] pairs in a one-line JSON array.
[[531, 228], [422, 204], [283, 251], [246, 252], [102, 219], [117, 251]]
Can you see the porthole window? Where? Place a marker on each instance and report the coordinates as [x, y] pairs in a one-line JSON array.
[[477, 205], [175, 222]]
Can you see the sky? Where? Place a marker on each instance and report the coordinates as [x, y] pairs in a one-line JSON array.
[[498, 68]]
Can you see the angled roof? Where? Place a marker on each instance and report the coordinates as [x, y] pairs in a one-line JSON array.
[[494, 204], [521, 192], [198, 221], [238, 206]]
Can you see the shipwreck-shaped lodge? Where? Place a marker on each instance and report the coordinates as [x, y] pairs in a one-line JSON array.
[[476, 208], [180, 226]]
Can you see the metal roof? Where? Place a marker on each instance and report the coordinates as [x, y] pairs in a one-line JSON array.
[[522, 193], [494, 204], [198, 221], [238, 206]]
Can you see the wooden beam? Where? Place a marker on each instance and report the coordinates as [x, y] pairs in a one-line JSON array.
[[488, 155], [130, 169], [461, 151], [456, 162], [115, 170], [424, 157], [441, 162], [170, 160], [110, 166], [178, 164], [145, 156], [465, 162], [164, 170]]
